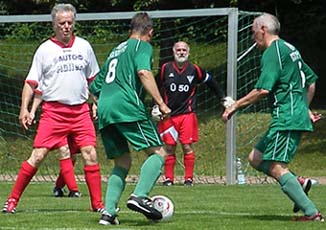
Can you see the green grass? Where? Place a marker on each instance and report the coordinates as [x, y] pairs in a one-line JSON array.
[[197, 207], [310, 159]]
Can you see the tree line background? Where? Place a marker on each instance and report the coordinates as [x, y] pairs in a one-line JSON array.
[[303, 22]]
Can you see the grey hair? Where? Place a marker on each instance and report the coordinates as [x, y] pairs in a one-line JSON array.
[[174, 46], [62, 7], [141, 23], [270, 21]]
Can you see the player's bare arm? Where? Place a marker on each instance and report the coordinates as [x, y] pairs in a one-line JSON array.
[[149, 84], [36, 103], [94, 99], [27, 94], [251, 98], [311, 92], [314, 116]]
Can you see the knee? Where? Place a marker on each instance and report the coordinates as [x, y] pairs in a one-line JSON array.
[[64, 152], [37, 156], [251, 158], [255, 158], [123, 161], [169, 149], [187, 149], [89, 155], [161, 151]]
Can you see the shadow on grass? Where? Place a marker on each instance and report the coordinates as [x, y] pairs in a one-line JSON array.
[[137, 222], [271, 218]]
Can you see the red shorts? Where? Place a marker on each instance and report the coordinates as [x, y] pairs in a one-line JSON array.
[[58, 121], [182, 127]]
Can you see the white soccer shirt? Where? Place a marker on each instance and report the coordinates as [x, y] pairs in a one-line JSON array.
[[61, 73]]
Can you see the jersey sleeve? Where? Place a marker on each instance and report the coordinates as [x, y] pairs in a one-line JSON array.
[[270, 67], [144, 56], [201, 75], [34, 75], [310, 75], [160, 77], [92, 68], [96, 85]]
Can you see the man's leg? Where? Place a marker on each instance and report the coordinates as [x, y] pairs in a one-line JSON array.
[[189, 163], [93, 178], [169, 165], [150, 171], [115, 187], [292, 188], [27, 171]]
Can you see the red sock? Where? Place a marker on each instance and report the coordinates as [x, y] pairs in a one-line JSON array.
[[68, 174], [189, 163], [60, 182], [93, 181], [25, 175], [169, 166]]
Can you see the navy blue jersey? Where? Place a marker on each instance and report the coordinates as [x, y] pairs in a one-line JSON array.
[[178, 86]]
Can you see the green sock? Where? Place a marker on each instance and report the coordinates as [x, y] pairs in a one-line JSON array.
[[149, 173], [292, 188], [264, 167], [116, 185]]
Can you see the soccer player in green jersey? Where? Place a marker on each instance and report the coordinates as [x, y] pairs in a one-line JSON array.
[[290, 83], [123, 118]]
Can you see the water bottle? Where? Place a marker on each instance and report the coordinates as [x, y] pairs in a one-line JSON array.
[[240, 176]]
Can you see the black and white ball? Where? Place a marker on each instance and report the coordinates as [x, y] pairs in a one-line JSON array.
[[164, 205]]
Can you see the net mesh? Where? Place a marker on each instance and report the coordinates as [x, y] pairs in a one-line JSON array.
[[207, 37]]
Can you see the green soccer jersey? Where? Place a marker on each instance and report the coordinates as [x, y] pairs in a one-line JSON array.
[[286, 76], [118, 86]]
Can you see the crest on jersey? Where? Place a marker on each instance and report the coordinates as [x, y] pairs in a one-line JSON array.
[[190, 78], [171, 75]]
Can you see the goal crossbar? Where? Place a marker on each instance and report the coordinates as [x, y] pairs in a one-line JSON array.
[[231, 13]]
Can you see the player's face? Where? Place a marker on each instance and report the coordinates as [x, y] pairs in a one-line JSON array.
[[64, 26], [181, 52], [258, 35]]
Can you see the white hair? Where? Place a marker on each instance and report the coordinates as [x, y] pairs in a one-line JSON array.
[[270, 22]]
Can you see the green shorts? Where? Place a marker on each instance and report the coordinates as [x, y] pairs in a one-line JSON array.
[[141, 135], [279, 146]]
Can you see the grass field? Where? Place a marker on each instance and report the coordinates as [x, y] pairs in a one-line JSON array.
[[197, 207]]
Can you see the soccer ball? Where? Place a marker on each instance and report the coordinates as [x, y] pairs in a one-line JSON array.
[[164, 205]]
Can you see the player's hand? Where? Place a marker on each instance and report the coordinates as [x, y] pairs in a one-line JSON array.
[[228, 112], [165, 110], [31, 119], [94, 111], [24, 118], [314, 116]]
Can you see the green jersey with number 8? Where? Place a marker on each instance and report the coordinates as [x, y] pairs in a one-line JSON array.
[[118, 86], [286, 76]]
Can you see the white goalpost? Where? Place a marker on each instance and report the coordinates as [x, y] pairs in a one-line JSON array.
[[219, 40]]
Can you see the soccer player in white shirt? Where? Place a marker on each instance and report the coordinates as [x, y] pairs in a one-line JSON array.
[[61, 69]]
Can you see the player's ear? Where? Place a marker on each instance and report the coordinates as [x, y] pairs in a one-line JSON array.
[[150, 33]]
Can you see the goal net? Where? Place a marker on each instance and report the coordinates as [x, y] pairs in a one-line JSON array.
[[220, 41]]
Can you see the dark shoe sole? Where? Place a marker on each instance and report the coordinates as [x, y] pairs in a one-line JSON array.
[[133, 205]]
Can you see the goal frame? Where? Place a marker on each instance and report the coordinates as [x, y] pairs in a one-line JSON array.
[[231, 83]]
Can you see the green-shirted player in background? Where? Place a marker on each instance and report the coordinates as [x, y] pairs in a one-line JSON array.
[[291, 85], [123, 118]]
